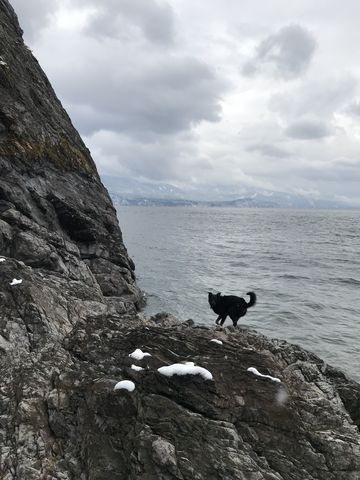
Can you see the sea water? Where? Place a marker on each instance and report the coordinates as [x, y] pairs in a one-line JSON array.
[[304, 266]]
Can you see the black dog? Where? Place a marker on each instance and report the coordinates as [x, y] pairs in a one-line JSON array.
[[231, 305]]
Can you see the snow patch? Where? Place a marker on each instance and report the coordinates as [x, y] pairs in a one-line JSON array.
[[136, 368], [139, 354], [256, 372], [2, 259], [125, 385], [185, 369], [15, 282], [215, 340]]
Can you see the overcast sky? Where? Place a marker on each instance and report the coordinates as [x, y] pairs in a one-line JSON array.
[[238, 93]]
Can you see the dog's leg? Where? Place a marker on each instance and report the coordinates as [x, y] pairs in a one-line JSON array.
[[223, 320], [234, 316], [217, 320]]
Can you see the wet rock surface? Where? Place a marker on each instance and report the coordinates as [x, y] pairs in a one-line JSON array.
[[67, 330]]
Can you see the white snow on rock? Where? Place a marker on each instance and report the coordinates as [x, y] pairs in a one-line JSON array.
[[15, 282], [125, 385], [185, 369], [135, 367], [139, 354], [2, 259], [256, 372], [215, 340]]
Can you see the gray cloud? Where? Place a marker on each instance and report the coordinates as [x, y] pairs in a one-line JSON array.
[[268, 150], [34, 15], [347, 162], [111, 18], [307, 129], [353, 109], [333, 173], [167, 96], [320, 97], [120, 19], [154, 160], [285, 54]]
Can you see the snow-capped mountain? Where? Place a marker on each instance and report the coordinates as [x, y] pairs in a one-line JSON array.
[[135, 192]]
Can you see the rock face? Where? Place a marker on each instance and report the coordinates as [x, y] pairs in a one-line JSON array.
[[55, 214], [66, 332]]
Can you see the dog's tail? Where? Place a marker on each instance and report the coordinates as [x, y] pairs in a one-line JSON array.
[[252, 299]]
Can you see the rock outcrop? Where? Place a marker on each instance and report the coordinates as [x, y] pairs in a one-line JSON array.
[[68, 328], [55, 214]]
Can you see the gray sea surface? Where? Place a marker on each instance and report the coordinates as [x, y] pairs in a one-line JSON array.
[[304, 266]]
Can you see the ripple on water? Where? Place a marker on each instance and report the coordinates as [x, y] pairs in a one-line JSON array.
[[288, 276], [347, 281]]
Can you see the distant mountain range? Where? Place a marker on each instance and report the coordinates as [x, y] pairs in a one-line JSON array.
[[130, 192]]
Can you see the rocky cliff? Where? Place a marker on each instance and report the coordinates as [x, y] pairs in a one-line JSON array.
[[70, 322], [55, 214]]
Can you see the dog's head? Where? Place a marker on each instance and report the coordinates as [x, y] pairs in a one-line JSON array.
[[213, 299]]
